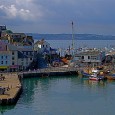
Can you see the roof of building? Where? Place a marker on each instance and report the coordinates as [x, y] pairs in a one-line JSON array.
[[41, 42], [111, 53], [93, 52]]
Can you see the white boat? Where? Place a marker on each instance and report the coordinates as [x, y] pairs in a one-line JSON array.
[[95, 76]]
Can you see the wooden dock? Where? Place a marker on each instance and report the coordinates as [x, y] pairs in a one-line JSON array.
[[10, 89]]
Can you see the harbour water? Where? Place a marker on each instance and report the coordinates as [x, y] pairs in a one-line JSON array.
[[64, 96]]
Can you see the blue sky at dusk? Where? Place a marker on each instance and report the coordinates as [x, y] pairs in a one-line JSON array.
[[55, 16]]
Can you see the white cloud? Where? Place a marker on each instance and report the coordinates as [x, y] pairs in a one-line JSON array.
[[51, 13], [13, 12]]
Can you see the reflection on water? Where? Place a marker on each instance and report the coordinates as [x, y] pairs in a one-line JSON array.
[[64, 95], [93, 83], [3, 109]]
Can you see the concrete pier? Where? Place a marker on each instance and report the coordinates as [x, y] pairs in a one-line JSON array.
[[10, 89], [48, 72]]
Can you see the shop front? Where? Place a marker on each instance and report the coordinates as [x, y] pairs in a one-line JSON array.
[[4, 68], [14, 68]]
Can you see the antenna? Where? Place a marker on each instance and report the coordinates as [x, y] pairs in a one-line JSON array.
[[72, 39], [72, 36]]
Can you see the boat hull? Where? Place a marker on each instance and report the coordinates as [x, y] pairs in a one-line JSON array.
[[94, 78], [110, 77]]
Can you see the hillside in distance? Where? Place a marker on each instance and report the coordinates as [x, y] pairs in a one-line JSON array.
[[69, 36]]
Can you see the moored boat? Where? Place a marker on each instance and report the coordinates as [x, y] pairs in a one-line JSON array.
[[95, 76]]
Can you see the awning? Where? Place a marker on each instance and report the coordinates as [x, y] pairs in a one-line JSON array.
[[3, 67], [14, 66]]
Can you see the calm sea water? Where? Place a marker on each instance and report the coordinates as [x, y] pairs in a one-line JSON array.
[[64, 96], [64, 44]]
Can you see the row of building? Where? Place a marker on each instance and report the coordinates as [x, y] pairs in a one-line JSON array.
[[18, 50]]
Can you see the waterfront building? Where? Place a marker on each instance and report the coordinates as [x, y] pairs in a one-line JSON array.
[[4, 60], [4, 57], [22, 58], [16, 50], [13, 66], [15, 58], [90, 56], [25, 58]]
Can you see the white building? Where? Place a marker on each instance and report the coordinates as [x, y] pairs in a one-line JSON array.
[[90, 56], [42, 46]]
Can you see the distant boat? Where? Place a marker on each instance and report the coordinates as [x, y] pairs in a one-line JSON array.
[[95, 76]]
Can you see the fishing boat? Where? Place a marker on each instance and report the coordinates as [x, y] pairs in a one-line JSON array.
[[95, 76]]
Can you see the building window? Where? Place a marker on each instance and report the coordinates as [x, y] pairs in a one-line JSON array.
[[12, 63], [12, 53], [12, 58], [82, 57], [1, 57], [6, 57], [88, 57], [6, 62], [30, 58], [1, 62], [43, 46]]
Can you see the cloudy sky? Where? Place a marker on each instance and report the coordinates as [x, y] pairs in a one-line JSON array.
[[55, 16]]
